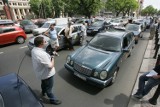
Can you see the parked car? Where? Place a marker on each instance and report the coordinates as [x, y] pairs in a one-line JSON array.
[[6, 23], [76, 37], [12, 34], [136, 29], [14, 92], [28, 25], [117, 22], [141, 22], [98, 62], [97, 26], [46, 25]]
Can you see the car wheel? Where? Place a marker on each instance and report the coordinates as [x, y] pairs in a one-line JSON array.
[[20, 40], [114, 77]]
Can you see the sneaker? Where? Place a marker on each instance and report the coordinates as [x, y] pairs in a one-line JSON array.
[[56, 102], [138, 96], [55, 53]]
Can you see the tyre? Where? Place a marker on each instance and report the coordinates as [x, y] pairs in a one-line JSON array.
[[20, 40]]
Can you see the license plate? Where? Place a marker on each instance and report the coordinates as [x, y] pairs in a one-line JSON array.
[[80, 76]]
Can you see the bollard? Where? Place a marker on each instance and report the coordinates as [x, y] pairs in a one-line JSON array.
[[153, 100], [155, 54]]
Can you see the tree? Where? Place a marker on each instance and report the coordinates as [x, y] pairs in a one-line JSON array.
[[149, 10], [34, 5], [124, 6], [87, 7]]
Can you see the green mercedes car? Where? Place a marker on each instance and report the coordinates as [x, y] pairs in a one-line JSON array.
[[99, 60]]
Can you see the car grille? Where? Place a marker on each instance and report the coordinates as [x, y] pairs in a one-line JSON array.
[[83, 69]]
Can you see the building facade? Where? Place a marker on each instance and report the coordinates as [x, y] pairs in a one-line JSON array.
[[19, 9]]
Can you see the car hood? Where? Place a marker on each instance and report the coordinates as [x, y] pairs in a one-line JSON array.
[[30, 26], [94, 27], [93, 58], [40, 30]]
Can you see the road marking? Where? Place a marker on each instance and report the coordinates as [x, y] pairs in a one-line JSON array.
[[23, 47], [1, 52]]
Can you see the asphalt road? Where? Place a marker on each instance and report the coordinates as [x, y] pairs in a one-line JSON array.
[[71, 90]]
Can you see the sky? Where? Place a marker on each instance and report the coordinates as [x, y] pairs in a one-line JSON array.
[[154, 3]]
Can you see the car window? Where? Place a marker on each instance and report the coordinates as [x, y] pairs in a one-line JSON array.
[[125, 42], [97, 23], [130, 37], [1, 101], [107, 43], [5, 30], [133, 27], [46, 25], [75, 29]]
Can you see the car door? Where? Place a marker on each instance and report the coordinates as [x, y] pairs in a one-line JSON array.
[[75, 34], [61, 40], [8, 35]]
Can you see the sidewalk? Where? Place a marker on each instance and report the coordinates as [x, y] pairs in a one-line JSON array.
[[147, 64]]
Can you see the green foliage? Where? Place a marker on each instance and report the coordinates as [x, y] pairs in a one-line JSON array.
[[149, 10], [124, 6], [72, 7]]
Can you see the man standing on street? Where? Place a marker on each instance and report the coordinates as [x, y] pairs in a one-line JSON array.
[[68, 37], [53, 38], [43, 65]]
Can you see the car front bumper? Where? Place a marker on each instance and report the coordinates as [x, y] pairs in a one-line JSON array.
[[90, 80]]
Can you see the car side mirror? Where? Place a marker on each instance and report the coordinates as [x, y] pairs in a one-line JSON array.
[[125, 50]]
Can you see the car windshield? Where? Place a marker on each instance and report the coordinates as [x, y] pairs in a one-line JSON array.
[[1, 101], [115, 21], [58, 29], [46, 25], [97, 23], [26, 22], [107, 43], [132, 27]]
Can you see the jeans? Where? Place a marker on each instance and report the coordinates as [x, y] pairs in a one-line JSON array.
[[69, 41], [47, 86], [143, 87]]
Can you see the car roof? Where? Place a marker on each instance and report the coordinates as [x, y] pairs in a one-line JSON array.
[[114, 33]]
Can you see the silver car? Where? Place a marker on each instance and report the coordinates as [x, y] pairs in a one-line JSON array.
[[76, 37]]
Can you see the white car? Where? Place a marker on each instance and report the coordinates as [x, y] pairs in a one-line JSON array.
[[76, 37], [46, 25]]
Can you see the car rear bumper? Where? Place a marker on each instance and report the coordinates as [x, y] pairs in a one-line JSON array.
[[90, 80]]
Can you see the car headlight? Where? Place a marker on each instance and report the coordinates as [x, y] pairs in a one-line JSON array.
[[103, 75], [95, 74], [68, 59], [71, 62]]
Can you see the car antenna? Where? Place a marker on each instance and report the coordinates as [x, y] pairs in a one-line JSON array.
[[19, 70]]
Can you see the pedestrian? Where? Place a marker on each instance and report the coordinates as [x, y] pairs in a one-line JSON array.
[[52, 33], [152, 31], [153, 100], [84, 33], [68, 35], [43, 65], [147, 82]]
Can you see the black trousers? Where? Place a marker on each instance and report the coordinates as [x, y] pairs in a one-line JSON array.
[[69, 41]]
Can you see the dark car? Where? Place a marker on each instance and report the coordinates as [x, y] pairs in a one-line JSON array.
[[28, 26], [98, 61], [14, 92], [97, 26]]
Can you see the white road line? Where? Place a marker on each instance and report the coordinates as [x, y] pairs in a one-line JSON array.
[[23, 47], [1, 52]]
